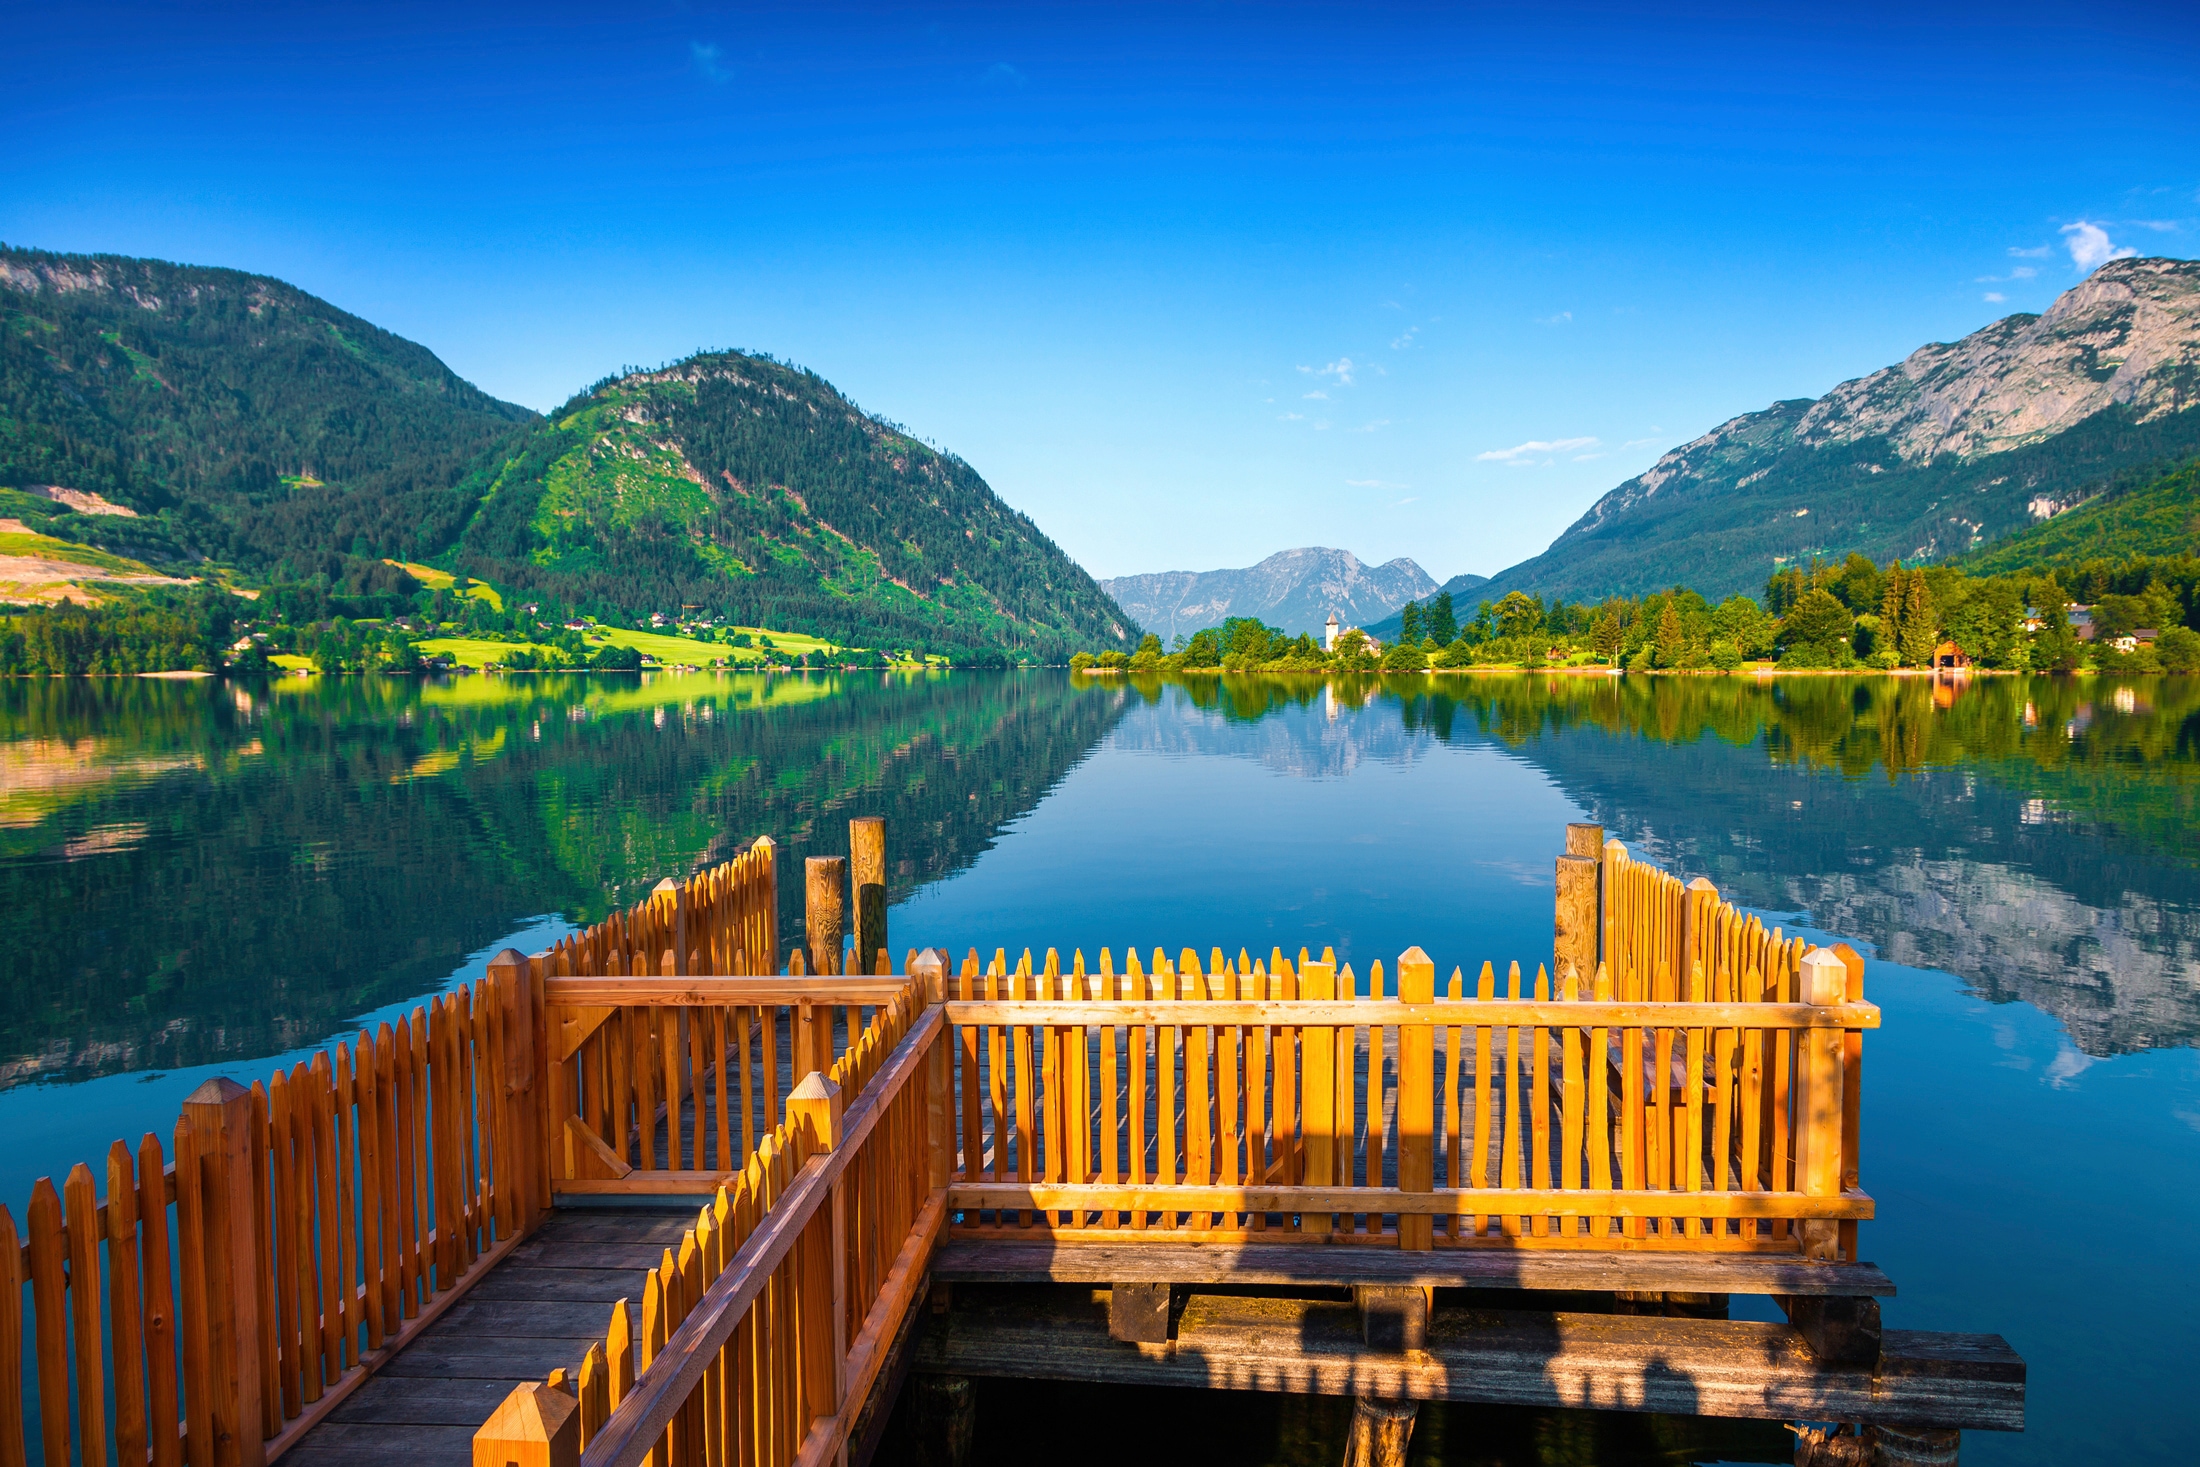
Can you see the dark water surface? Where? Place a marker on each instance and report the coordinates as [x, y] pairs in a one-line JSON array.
[[196, 877]]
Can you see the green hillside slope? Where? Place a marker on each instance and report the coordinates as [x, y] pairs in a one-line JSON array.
[[754, 490], [2160, 518], [239, 417]]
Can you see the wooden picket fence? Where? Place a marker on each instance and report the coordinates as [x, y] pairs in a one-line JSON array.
[[1689, 1082], [211, 1310], [763, 1331], [1281, 1101]]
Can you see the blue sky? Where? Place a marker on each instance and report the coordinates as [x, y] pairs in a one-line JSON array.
[[1188, 284]]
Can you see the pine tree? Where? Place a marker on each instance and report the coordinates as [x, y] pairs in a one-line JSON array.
[[1920, 627], [1890, 606], [1608, 636], [1442, 621], [1409, 622], [1672, 640]]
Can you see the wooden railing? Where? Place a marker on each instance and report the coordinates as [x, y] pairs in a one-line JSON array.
[[1285, 1101], [213, 1310], [760, 1336], [1690, 1082], [320, 1221]]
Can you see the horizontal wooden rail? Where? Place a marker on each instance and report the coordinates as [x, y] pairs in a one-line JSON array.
[[1460, 1202], [1378, 1013], [698, 992], [678, 1369]]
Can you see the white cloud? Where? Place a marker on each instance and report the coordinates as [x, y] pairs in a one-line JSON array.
[[2090, 246], [1001, 74], [1317, 395], [1373, 425], [1558, 320], [1374, 484], [1405, 339], [708, 61], [2023, 272], [1341, 369], [2037, 252], [1994, 296], [1534, 447], [1290, 417], [1637, 442]]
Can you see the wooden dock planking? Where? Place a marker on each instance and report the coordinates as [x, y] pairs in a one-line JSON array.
[[536, 1311], [1282, 1265], [1503, 1357]]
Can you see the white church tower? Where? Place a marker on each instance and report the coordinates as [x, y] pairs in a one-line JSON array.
[[1329, 634]]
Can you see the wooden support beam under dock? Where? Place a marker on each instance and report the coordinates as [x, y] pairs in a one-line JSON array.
[[1503, 1357], [1278, 1265]]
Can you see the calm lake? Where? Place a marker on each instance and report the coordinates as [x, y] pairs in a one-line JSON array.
[[196, 877]]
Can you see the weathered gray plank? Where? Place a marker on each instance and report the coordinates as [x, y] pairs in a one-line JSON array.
[[1272, 1265], [342, 1444], [589, 1253], [561, 1285], [1608, 1362], [456, 1356], [497, 1318], [407, 1401]]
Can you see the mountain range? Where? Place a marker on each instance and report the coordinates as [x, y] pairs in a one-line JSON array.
[[1295, 590], [182, 415], [1958, 445]]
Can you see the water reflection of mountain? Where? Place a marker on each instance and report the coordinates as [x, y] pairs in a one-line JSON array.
[[196, 872], [2031, 837], [1337, 730]]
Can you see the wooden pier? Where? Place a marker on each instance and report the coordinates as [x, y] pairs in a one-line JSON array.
[[654, 1196]]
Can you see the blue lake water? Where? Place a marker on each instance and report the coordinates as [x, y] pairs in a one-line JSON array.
[[198, 878]]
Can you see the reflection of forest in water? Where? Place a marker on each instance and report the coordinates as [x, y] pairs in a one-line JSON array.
[[2034, 836], [196, 871]]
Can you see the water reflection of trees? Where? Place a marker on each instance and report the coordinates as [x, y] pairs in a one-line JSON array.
[[197, 871], [2034, 836]]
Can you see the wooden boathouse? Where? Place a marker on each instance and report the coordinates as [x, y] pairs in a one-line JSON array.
[[654, 1195]]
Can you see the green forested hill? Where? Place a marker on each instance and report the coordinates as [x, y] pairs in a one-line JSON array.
[[746, 487], [242, 418], [2159, 518], [247, 422]]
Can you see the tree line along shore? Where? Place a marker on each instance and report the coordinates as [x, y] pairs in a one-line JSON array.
[[2129, 615]]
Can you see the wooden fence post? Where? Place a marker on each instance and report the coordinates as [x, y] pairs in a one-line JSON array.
[[825, 882], [1318, 1090], [675, 896], [1698, 902], [535, 1427], [815, 1108], [930, 971], [1610, 948], [219, 1116], [1587, 841], [1852, 1092], [1818, 1108], [1574, 924], [1416, 1097], [508, 973], [766, 959], [867, 862]]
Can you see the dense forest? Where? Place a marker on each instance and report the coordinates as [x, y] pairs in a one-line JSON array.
[[242, 419], [742, 486], [209, 420]]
